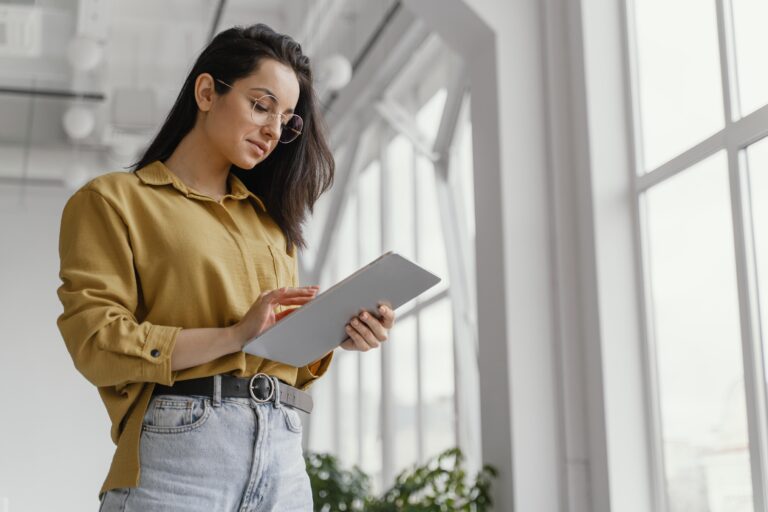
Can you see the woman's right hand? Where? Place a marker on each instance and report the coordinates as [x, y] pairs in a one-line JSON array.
[[262, 313]]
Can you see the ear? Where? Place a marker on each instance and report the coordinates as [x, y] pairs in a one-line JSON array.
[[204, 91]]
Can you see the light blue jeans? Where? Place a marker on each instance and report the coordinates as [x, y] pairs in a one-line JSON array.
[[222, 454]]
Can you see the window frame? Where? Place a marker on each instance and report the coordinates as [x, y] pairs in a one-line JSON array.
[[735, 137]]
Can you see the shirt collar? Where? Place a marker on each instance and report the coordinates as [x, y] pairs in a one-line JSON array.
[[157, 173]]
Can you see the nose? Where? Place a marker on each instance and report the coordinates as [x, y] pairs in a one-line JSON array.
[[271, 130]]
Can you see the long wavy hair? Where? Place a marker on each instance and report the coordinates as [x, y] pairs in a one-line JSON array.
[[294, 175]]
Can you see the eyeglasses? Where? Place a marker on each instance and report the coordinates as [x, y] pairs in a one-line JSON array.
[[263, 114]]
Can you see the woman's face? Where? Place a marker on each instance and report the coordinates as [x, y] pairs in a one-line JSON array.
[[229, 124]]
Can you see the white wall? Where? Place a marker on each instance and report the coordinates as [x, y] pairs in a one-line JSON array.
[[55, 448]]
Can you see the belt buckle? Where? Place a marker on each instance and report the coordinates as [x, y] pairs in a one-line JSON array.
[[271, 388]]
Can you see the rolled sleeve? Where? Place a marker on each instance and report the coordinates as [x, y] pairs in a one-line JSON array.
[[100, 296], [158, 348], [313, 371]]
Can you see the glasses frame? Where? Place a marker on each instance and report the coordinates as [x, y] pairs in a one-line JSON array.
[[270, 115]]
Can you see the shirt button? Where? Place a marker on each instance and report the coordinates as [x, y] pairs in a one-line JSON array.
[[155, 352]]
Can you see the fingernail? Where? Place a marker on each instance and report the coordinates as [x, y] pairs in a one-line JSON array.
[[363, 316]]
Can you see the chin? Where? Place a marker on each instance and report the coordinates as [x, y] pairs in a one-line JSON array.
[[247, 162]]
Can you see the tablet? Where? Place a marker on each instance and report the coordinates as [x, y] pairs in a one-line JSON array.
[[317, 327]]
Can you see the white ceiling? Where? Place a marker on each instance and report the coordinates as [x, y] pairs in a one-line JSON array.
[[149, 46]]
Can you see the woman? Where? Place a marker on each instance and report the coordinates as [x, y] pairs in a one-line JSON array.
[[169, 270]]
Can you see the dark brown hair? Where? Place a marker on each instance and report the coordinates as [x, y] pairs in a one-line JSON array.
[[294, 175]]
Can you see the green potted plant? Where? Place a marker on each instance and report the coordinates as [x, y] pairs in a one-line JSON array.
[[439, 485]]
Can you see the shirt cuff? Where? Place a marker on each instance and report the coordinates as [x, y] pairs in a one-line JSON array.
[[158, 348], [313, 371]]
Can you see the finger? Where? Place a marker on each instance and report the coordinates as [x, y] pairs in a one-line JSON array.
[[374, 325], [387, 316], [365, 333], [283, 314], [288, 292], [360, 342], [294, 300], [300, 290], [348, 344]]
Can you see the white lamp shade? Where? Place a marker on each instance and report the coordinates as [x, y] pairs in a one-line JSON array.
[[79, 122], [84, 53], [335, 72]]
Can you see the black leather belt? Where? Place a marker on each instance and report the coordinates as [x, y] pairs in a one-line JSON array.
[[260, 387]]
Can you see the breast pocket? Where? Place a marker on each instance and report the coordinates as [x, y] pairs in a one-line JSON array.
[[283, 266], [265, 266]]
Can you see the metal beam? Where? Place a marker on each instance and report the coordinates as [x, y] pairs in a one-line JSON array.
[[31, 181], [457, 88], [54, 93], [404, 123], [216, 19], [457, 247], [395, 46]]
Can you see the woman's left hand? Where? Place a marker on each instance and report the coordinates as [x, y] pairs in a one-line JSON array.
[[366, 331]]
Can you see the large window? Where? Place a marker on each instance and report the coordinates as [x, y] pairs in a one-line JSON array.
[[700, 104], [387, 409]]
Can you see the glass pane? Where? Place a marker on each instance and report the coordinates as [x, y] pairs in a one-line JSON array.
[[347, 368], [316, 223], [428, 116], [370, 390], [430, 244], [344, 259], [369, 233], [369, 213], [462, 172], [749, 18], [321, 419], [401, 179], [345, 262], [436, 332], [697, 334], [403, 348], [679, 76], [757, 155]]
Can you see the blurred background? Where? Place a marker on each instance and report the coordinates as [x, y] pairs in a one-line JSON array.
[[588, 177]]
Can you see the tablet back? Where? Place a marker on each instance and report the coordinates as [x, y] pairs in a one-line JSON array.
[[317, 327]]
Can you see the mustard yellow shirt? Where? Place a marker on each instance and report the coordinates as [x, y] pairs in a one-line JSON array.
[[143, 256]]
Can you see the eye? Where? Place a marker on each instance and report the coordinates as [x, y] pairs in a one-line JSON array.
[[259, 106]]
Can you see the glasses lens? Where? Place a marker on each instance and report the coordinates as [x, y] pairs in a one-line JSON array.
[[291, 129], [261, 111]]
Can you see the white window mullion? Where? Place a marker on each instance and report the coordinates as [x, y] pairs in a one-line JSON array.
[[417, 255], [359, 356], [386, 416], [754, 377], [660, 497]]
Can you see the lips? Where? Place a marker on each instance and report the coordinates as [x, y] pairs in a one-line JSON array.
[[260, 147]]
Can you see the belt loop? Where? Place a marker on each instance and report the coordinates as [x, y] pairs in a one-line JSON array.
[[217, 390], [276, 384]]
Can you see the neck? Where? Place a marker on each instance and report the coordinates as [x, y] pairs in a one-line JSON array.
[[199, 165]]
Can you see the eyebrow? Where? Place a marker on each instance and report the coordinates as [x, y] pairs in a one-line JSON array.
[[289, 110]]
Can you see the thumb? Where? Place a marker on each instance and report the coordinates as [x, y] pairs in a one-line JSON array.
[[285, 313]]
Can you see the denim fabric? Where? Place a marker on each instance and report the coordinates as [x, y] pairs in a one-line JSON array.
[[232, 454]]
